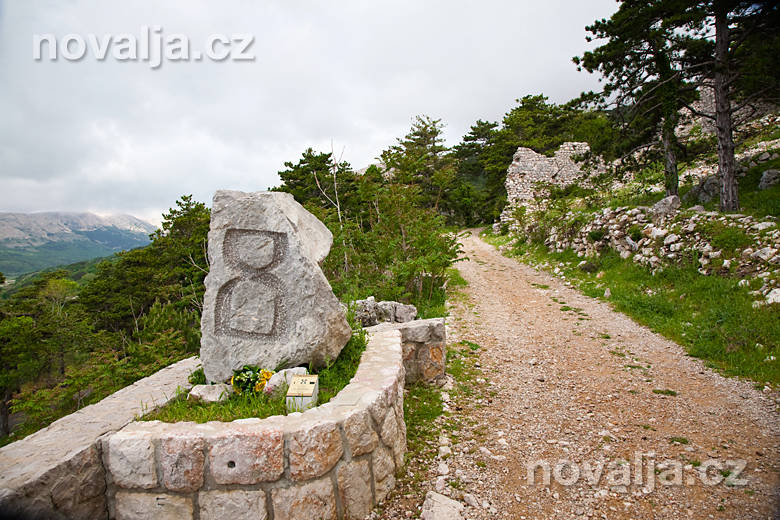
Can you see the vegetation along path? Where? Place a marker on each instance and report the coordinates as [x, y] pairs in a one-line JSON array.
[[572, 380]]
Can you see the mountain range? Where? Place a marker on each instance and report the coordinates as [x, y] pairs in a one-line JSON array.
[[34, 241]]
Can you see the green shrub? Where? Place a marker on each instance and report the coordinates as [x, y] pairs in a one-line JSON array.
[[596, 235], [635, 232]]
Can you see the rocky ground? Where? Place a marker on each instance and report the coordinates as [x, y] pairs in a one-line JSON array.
[[624, 420]]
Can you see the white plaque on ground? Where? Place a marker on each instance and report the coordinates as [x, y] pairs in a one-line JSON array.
[[302, 393]]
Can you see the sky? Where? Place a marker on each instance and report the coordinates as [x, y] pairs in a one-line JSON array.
[[117, 135]]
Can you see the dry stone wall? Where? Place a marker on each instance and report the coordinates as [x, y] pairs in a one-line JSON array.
[[335, 461], [424, 350]]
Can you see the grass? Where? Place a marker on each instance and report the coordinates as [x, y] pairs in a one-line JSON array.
[[710, 316], [332, 379], [660, 391]]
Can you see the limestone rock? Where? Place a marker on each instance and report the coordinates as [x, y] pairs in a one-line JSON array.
[[313, 451], [370, 312], [768, 179], [182, 462], [267, 302], [666, 206], [439, 507], [130, 460], [210, 393], [246, 457], [283, 377], [237, 504], [354, 480], [773, 296], [142, 506], [315, 499], [705, 191]]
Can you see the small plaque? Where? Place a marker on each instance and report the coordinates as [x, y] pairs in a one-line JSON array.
[[302, 386]]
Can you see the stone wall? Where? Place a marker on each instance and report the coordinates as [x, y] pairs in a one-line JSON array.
[[57, 472], [337, 460], [334, 461], [529, 169], [424, 349]]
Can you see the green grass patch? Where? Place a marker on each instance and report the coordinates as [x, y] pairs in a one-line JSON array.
[[724, 237], [678, 440], [332, 379], [661, 391], [422, 406]]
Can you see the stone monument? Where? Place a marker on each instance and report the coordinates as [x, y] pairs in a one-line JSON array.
[[267, 302]]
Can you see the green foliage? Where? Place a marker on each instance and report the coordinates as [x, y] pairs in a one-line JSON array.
[[171, 269], [387, 242], [635, 232], [129, 317], [237, 406], [198, 377], [724, 237], [596, 235]]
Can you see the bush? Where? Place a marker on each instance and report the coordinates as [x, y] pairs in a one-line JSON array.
[[596, 235], [635, 233]]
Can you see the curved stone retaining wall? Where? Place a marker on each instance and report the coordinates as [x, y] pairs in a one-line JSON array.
[[335, 461]]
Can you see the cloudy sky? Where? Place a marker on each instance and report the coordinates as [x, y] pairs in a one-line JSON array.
[[118, 136]]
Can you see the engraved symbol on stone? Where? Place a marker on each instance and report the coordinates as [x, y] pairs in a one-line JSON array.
[[250, 305]]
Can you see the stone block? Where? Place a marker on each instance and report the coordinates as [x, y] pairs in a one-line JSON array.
[[439, 507], [145, 506], [246, 456], [384, 468], [130, 460], [267, 301], [313, 500], [359, 433], [237, 504], [354, 482], [210, 393], [181, 461], [314, 449], [431, 361], [79, 490]]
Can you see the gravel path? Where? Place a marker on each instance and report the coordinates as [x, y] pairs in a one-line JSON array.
[[575, 381]]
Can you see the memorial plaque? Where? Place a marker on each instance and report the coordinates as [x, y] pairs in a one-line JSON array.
[[302, 393], [302, 386]]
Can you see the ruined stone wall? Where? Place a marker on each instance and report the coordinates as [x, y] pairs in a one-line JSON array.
[[529, 168]]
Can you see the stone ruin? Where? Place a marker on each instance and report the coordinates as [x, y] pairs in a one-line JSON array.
[[267, 302], [529, 169]]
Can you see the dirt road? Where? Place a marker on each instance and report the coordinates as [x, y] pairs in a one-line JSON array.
[[583, 387]]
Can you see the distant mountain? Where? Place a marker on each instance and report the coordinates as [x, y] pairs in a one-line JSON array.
[[34, 241]]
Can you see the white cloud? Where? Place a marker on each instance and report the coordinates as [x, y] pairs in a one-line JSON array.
[[120, 137]]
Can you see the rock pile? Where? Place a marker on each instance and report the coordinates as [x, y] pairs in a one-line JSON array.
[[656, 238], [369, 312]]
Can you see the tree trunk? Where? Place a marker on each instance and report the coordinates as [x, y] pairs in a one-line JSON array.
[[729, 196], [670, 158], [5, 427]]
